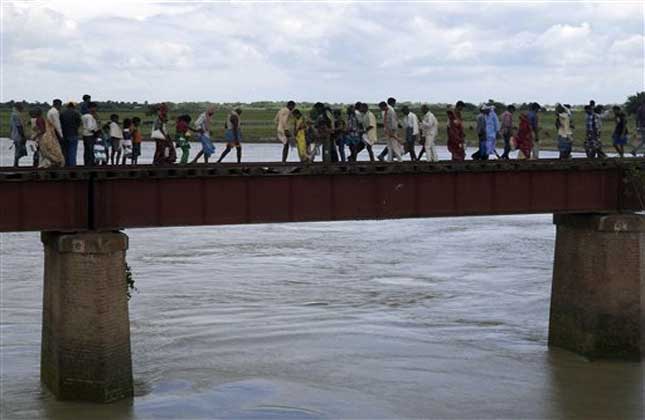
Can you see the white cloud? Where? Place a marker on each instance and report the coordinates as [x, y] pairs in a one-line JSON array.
[[142, 50]]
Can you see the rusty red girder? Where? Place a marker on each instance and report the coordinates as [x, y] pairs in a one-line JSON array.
[[148, 196]]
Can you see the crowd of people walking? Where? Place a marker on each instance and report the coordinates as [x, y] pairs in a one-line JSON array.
[[323, 132]]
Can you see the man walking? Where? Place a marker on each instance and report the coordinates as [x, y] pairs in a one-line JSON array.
[[620, 130], [90, 131], [70, 121], [391, 128], [411, 127], [534, 123], [324, 125], [233, 135], [481, 154], [563, 124], [507, 129], [593, 146], [203, 127], [17, 134], [369, 136], [282, 126], [391, 102], [429, 128]]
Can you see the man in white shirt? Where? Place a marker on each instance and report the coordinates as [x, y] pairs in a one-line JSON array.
[[391, 129], [411, 127], [53, 116], [429, 128], [369, 136], [282, 126], [90, 128]]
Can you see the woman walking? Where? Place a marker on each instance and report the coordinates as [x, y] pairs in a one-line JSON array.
[[50, 154], [165, 153], [620, 131], [524, 138], [455, 137]]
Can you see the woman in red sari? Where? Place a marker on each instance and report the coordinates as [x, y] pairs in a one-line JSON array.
[[524, 137], [455, 136]]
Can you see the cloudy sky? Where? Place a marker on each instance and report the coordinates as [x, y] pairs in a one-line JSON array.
[[330, 51]]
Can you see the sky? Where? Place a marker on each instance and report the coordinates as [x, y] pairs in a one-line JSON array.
[[229, 51]]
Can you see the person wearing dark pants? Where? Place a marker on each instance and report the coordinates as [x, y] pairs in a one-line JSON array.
[[18, 134], [411, 126], [70, 121], [392, 103], [337, 140], [282, 126], [481, 153], [88, 150], [90, 130], [324, 127], [507, 129], [620, 131], [593, 145]]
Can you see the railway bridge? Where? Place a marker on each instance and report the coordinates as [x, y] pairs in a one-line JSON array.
[[598, 290]]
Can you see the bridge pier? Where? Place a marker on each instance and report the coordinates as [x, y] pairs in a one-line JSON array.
[[85, 353], [598, 291]]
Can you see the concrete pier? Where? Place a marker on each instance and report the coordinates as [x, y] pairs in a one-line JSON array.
[[85, 351], [598, 291]]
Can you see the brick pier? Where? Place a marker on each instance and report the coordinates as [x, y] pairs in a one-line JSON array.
[[85, 351], [598, 292]]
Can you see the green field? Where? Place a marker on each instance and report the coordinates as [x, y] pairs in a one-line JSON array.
[[258, 126]]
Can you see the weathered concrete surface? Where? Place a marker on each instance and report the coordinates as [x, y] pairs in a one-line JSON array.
[[85, 352], [597, 297]]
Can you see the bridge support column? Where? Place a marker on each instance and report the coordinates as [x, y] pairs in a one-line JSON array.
[[85, 353], [598, 291]]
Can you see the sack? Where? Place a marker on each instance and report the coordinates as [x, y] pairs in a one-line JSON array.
[[157, 135]]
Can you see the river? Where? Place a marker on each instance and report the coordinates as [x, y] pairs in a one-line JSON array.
[[433, 318]]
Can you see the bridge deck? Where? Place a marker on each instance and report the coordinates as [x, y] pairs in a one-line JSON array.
[[150, 196]]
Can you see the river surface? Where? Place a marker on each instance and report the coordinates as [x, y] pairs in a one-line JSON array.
[[433, 318]]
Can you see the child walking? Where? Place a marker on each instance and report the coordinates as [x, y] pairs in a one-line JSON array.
[[116, 136], [137, 136], [101, 146], [182, 132], [127, 140]]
